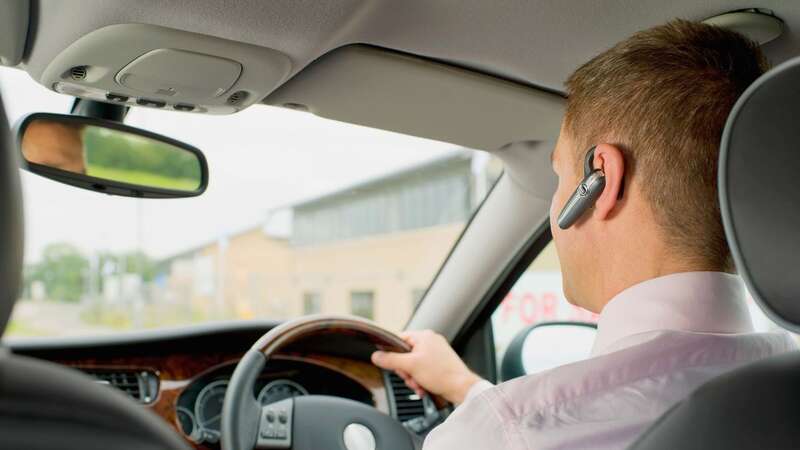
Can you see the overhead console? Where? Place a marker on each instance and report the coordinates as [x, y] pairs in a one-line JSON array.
[[158, 67]]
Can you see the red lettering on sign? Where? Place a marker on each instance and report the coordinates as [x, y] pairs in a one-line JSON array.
[[527, 309], [530, 308]]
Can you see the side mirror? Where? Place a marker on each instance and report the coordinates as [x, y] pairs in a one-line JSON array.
[[546, 345], [110, 157]]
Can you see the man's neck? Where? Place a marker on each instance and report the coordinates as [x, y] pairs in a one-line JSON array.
[[630, 264]]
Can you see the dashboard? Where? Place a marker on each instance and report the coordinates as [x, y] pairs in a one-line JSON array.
[[182, 374], [199, 406]]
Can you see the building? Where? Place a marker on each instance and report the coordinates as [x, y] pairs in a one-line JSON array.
[[345, 252]]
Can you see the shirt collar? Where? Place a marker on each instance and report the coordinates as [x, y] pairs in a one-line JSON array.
[[704, 302]]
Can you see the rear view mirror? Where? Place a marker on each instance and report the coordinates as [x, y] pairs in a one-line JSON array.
[[546, 345], [110, 157]]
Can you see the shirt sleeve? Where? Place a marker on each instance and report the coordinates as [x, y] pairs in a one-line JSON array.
[[473, 425], [476, 389]]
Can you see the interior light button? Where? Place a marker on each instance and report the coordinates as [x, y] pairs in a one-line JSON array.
[[150, 102]]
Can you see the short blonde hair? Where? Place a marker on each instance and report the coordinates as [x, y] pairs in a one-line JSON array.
[[663, 96]]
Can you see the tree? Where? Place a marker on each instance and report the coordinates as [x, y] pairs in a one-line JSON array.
[[67, 274], [62, 270]]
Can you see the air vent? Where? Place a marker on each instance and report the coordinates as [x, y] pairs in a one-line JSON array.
[[78, 73], [141, 386], [237, 97], [407, 404]]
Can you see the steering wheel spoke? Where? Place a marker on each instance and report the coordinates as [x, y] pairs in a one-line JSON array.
[[275, 425]]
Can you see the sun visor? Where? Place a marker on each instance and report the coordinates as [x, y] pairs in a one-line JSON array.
[[14, 19], [148, 65], [529, 167], [392, 91]]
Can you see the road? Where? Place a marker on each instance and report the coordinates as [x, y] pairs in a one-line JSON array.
[[44, 318]]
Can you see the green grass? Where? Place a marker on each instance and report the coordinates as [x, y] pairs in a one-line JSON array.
[[143, 178], [114, 318], [20, 328], [120, 317]]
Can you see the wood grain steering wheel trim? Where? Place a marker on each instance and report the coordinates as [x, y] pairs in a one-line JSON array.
[[292, 331]]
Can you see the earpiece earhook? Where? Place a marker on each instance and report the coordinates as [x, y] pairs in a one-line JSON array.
[[588, 162], [594, 181]]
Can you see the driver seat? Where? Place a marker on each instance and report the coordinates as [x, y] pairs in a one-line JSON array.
[[45, 405], [756, 406]]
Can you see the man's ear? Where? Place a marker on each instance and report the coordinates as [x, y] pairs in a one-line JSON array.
[[609, 159]]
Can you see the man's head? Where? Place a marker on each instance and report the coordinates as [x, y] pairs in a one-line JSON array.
[[655, 106]]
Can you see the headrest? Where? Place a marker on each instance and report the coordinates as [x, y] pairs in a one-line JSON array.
[[759, 189], [11, 226]]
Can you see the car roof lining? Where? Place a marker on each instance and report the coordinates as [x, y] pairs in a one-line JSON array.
[[533, 42], [465, 98]]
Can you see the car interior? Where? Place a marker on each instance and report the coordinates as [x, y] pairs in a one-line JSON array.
[[481, 76]]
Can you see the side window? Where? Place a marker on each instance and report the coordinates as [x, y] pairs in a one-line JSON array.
[[362, 304], [535, 299]]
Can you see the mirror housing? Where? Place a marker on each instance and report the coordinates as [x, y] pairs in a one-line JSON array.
[[110, 157], [521, 358]]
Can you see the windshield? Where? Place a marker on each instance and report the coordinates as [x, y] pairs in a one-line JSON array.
[[302, 215]]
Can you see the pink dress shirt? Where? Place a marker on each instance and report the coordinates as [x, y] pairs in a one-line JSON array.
[[656, 342]]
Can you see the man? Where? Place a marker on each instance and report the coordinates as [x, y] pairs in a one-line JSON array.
[[649, 256], [54, 144]]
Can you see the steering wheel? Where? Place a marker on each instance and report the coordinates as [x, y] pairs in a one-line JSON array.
[[308, 422]]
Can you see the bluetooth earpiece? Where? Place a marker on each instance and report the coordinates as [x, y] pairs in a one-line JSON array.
[[594, 181]]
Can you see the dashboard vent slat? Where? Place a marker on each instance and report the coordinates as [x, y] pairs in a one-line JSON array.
[[408, 405], [141, 386]]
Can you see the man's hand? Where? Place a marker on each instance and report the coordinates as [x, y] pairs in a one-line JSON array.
[[431, 365]]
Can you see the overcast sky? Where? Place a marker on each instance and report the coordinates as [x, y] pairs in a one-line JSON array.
[[258, 159]]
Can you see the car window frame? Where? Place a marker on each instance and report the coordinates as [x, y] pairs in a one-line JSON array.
[[453, 247], [481, 316]]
